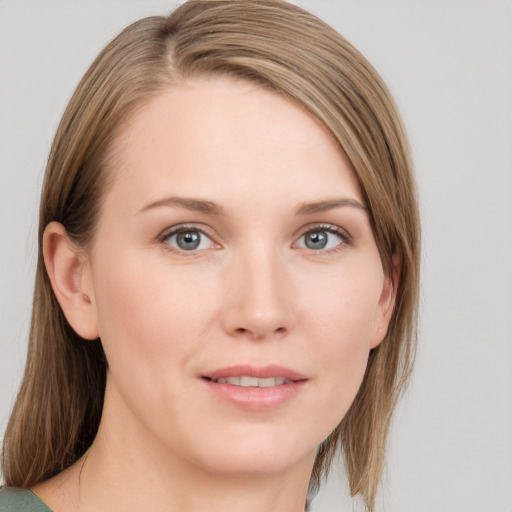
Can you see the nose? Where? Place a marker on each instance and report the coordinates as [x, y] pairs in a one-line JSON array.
[[258, 297]]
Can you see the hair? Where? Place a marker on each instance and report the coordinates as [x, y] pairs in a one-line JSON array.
[[293, 53]]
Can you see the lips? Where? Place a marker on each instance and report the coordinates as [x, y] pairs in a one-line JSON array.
[[255, 388], [260, 372], [253, 382]]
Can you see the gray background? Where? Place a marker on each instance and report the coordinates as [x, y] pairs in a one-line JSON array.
[[449, 64]]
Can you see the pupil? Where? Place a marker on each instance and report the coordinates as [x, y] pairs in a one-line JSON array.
[[316, 240], [188, 240]]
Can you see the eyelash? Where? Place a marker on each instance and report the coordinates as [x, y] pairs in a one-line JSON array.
[[345, 237], [182, 228]]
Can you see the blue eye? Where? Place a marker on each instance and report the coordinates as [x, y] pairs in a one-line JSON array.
[[189, 240], [320, 239]]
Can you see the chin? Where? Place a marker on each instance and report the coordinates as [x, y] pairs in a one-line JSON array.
[[259, 455], [262, 465]]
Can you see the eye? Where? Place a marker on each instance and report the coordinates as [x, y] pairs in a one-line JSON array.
[[188, 239], [322, 238]]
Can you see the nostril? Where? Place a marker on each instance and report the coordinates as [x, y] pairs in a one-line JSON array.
[[258, 319], [259, 334]]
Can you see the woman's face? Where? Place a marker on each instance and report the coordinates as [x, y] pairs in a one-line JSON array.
[[236, 282]]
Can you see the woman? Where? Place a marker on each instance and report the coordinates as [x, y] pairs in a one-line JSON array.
[[228, 271]]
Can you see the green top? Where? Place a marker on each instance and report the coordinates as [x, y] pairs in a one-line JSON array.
[[21, 500]]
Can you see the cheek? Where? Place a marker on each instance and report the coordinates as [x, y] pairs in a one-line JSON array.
[[341, 322], [152, 330], [141, 311], [344, 305]]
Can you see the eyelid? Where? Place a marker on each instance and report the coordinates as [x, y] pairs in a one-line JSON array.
[[346, 238], [331, 228], [173, 230]]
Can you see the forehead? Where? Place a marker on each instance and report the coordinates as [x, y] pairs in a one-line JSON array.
[[196, 138]]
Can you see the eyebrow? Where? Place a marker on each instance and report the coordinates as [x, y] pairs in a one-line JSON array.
[[211, 208], [198, 205], [329, 204]]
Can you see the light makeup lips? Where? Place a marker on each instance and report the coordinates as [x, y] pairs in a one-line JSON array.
[[253, 382], [255, 388]]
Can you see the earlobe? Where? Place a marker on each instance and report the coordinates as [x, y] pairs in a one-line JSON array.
[[386, 303], [69, 275]]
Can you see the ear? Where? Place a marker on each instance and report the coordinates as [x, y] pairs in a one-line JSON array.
[[71, 281], [386, 303]]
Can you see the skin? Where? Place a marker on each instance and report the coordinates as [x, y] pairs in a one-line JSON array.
[[252, 293]]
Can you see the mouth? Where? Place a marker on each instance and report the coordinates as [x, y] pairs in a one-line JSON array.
[[255, 388], [247, 381]]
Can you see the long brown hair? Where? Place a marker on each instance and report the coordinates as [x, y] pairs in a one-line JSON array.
[[291, 52]]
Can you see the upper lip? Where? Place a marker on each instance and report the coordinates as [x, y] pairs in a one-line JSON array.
[[261, 372]]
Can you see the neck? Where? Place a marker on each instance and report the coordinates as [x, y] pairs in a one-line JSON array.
[[139, 482], [126, 469]]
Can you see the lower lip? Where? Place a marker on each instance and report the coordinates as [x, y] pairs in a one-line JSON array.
[[254, 398]]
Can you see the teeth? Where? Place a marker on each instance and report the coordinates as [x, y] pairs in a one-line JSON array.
[[248, 381], [254, 382], [270, 382]]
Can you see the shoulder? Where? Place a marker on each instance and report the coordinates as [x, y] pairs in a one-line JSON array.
[[20, 500]]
